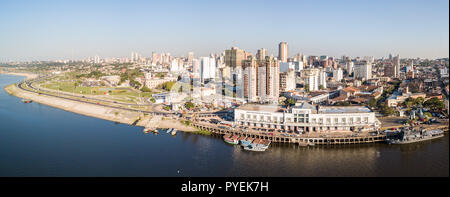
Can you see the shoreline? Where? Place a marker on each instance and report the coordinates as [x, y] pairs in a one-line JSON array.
[[95, 111], [27, 75]]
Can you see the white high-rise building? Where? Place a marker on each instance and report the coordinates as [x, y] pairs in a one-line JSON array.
[[363, 70], [323, 79], [337, 74], [207, 68], [311, 78], [350, 67], [174, 67]]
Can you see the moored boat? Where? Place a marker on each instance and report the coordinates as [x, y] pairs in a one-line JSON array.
[[410, 136], [246, 141], [174, 132], [231, 139]]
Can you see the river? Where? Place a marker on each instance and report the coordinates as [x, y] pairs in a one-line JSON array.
[[38, 140]]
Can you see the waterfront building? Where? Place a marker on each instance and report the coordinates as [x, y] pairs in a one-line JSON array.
[[309, 118], [283, 51]]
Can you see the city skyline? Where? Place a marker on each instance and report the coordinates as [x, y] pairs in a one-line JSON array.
[[69, 30]]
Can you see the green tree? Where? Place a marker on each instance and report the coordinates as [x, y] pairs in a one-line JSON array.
[[289, 102], [189, 105], [372, 103], [145, 89], [434, 104]]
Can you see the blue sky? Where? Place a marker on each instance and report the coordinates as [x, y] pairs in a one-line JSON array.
[[43, 30]]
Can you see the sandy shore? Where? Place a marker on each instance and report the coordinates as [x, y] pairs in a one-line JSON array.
[[106, 113], [28, 75]]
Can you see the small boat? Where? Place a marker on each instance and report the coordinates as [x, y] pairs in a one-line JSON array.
[[169, 130], [174, 132], [231, 139], [26, 100], [247, 141], [254, 148], [146, 130]]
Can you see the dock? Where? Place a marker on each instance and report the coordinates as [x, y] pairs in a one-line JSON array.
[[301, 141]]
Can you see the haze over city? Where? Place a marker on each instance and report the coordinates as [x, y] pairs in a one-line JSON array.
[[49, 30]]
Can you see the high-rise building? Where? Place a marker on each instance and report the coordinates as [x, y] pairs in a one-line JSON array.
[[261, 79], [283, 51], [207, 68], [234, 57], [396, 64], [311, 78], [322, 79], [337, 74], [261, 54], [190, 57], [363, 70], [287, 80]]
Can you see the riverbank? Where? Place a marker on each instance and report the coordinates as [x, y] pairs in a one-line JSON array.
[[27, 75], [101, 112]]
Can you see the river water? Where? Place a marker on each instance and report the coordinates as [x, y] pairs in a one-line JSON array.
[[37, 140]]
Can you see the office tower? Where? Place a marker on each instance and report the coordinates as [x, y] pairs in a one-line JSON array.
[[234, 57], [207, 68], [261, 79], [363, 70], [261, 54], [337, 74], [396, 64], [287, 80], [283, 51], [389, 70]]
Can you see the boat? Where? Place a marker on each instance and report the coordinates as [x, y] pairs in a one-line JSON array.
[[174, 132], [231, 139], [254, 148], [407, 136], [169, 130], [26, 100], [146, 130], [246, 141]]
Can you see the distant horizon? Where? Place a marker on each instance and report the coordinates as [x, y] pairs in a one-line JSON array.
[[48, 30]]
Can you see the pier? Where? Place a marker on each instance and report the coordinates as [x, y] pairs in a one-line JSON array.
[[295, 140]]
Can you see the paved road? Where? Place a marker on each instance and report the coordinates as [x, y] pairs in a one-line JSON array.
[[37, 90]]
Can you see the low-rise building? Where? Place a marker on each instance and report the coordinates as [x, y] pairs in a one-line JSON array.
[[305, 117]]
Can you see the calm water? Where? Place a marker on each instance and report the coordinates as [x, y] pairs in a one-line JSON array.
[[37, 140]]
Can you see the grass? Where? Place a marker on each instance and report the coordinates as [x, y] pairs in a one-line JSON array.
[[203, 132]]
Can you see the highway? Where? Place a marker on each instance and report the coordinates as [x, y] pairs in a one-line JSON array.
[[49, 93]]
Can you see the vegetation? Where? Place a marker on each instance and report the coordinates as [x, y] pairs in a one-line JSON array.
[[203, 132], [289, 102], [166, 108], [189, 105], [434, 104]]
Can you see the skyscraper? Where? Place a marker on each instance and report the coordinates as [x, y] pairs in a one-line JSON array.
[[396, 64], [363, 70], [234, 57], [261, 79], [283, 51], [261, 54], [207, 68]]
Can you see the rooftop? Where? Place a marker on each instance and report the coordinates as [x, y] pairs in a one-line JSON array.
[[344, 109]]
